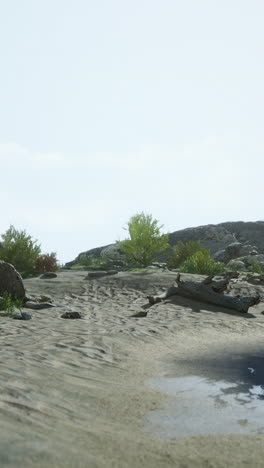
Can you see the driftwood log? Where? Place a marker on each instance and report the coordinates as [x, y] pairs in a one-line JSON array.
[[209, 290]]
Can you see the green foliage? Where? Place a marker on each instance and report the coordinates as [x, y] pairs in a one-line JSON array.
[[256, 267], [182, 251], [9, 304], [203, 264], [94, 263], [46, 262], [19, 249], [145, 240]]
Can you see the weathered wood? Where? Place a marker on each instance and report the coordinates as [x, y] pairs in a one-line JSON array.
[[209, 291]]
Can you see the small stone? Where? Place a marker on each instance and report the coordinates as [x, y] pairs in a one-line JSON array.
[[48, 274], [140, 314], [22, 316], [38, 305], [43, 298], [71, 315], [95, 274]]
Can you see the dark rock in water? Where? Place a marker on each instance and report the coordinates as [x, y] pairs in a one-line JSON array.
[[11, 281], [48, 274], [22, 316], [71, 315], [38, 305]]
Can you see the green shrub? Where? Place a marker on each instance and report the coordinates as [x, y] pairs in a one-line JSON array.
[[256, 267], [46, 262], [94, 263], [19, 249], [203, 264], [9, 305], [181, 252], [145, 240]]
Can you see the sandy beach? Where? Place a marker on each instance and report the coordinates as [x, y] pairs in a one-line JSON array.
[[75, 393]]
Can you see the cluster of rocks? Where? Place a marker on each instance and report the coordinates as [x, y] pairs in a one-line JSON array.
[[240, 257]]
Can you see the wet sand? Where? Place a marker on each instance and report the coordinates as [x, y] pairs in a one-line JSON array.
[[74, 393]]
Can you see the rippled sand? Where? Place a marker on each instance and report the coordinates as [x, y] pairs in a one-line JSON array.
[[73, 393]]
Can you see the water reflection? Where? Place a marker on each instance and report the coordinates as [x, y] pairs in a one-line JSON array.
[[201, 405]]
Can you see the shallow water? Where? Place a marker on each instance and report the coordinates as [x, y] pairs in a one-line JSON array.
[[200, 405]]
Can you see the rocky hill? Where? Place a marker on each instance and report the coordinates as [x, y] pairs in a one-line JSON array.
[[217, 237]]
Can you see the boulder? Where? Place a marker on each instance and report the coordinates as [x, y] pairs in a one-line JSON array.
[[71, 315], [100, 274], [22, 316], [48, 274], [221, 256], [251, 259], [234, 251], [11, 281], [236, 265], [248, 250]]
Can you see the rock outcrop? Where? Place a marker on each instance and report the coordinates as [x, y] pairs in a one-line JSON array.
[[247, 239], [234, 251], [11, 281]]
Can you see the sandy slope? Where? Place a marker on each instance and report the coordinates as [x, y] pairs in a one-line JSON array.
[[74, 393]]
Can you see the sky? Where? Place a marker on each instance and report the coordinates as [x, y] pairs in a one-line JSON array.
[[110, 108]]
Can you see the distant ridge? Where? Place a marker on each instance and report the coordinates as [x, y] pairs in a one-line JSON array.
[[212, 236]]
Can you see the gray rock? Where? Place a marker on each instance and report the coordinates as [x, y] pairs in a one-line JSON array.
[[48, 274], [248, 250], [44, 298], [95, 274], [234, 251], [221, 256], [251, 259], [236, 265], [38, 305], [112, 252], [22, 316], [11, 281], [71, 315]]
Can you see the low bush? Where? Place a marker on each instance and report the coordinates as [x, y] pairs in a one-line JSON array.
[[9, 305], [46, 262], [19, 249], [94, 263], [203, 264], [181, 252], [256, 268]]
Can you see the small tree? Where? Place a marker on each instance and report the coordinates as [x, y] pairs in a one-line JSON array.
[[19, 249], [46, 262], [145, 240]]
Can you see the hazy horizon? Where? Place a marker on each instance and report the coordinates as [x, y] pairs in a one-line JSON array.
[[109, 109]]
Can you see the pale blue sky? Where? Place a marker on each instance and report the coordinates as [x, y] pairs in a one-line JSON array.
[[108, 108]]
